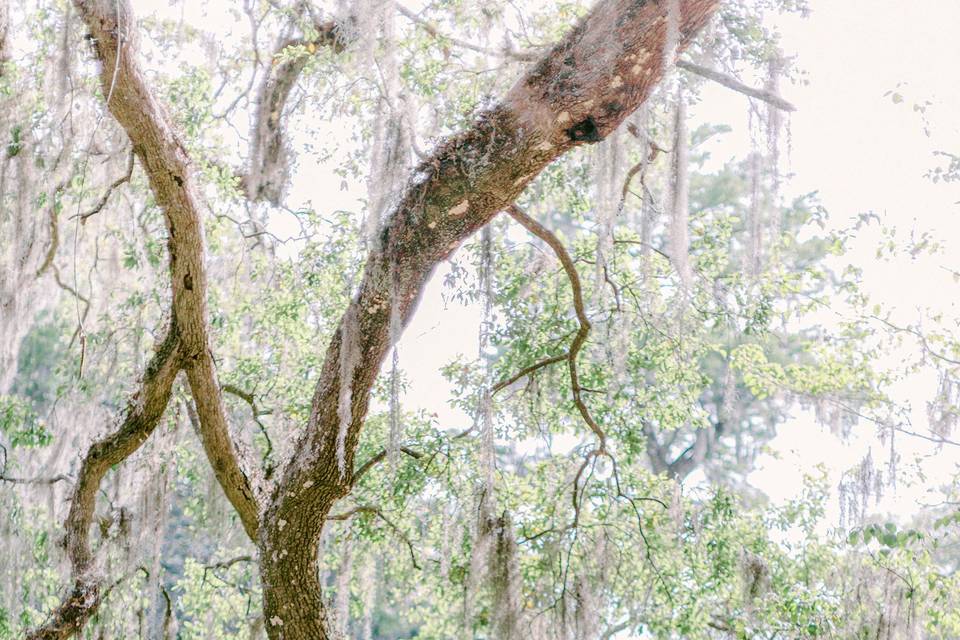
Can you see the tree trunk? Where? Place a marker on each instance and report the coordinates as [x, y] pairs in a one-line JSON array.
[[578, 93]]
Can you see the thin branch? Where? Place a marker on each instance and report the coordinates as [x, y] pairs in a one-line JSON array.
[[922, 338], [226, 564], [248, 397], [102, 202], [377, 511], [526, 56], [53, 480], [528, 370], [732, 83], [378, 458]]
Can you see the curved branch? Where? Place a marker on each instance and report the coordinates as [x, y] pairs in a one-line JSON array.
[[249, 398], [165, 162], [144, 410], [580, 338], [268, 171], [54, 229]]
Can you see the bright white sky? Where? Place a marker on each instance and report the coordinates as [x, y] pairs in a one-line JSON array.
[[864, 153], [856, 147]]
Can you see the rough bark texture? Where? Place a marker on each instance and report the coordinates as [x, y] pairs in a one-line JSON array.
[[579, 92], [144, 410], [186, 346]]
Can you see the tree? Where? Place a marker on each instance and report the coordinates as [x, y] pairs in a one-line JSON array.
[[651, 310], [575, 94]]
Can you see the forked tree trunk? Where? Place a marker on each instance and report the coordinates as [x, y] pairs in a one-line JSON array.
[[578, 93]]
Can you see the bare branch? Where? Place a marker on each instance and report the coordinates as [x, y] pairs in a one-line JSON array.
[[248, 397], [165, 162], [547, 236], [525, 56], [377, 511], [378, 458], [732, 83]]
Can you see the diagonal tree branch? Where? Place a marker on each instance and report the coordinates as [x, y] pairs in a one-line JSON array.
[[533, 368], [732, 83], [527, 56], [578, 93]]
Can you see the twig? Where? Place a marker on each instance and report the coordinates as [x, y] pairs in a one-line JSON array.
[[463, 44], [248, 397], [379, 457], [377, 511], [102, 202]]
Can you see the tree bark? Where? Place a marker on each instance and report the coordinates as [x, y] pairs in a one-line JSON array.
[[267, 171], [187, 343], [578, 93], [144, 411]]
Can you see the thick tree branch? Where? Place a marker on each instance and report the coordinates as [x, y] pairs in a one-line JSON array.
[[143, 413], [579, 92], [165, 162]]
